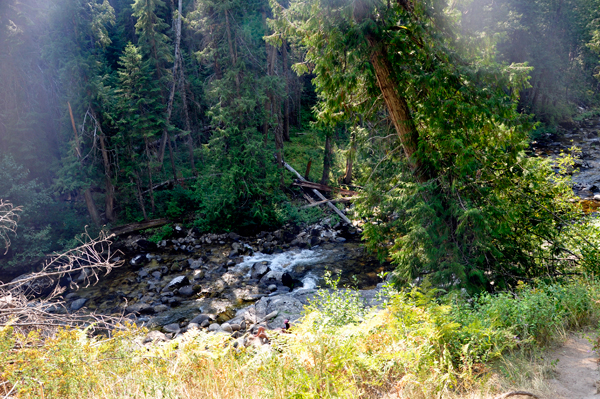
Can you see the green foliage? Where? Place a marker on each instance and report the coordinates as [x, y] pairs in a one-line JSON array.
[[162, 233], [337, 307], [421, 344]]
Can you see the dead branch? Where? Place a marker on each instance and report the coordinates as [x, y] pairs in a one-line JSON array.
[[8, 221], [34, 300]]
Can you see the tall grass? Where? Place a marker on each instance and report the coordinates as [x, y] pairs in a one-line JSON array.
[[420, 345]]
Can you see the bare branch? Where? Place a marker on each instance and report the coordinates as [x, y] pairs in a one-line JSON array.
[[8, 221], [34, 300]]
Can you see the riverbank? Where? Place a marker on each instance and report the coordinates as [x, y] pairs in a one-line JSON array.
[[418, 345]]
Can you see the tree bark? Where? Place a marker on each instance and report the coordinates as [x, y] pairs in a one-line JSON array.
[[87, 194], [350, 160], [397, 108], [110, 189], [165, 136], [327, 160], [286, 100]]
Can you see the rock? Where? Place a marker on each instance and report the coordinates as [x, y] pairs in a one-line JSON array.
[[157, 275], [233, 236], [176, 267], [340, 239], [177, 282], [186, 291], [227, 327], [272, 288], [146, 245], [172, 328], [70, 296], [195, 264], [143, 273], [288, 281], [141, 308], [78, 304], [214, 327], [259, 269], [201, 318], [314, 241], [155, 336], [198, 274], [40, 286], [235, 327], [192, 325], [205, 324], [160, 308], [138, 260]]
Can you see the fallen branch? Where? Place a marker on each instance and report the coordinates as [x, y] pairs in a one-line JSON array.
[[313, 204], [26, 303], [318, 194], [322, 187], [130, 228]]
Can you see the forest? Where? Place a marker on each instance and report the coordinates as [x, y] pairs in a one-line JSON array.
[[115, 112], [451, 146]]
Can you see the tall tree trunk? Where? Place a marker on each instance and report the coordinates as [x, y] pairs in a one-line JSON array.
[[91, 206], [286, 99], [397, 108], [188, 126], [350, 160], [327, 160], [139, 195], [87, 194], [165, 136], [150, 180], [110, 190], [232, 53]]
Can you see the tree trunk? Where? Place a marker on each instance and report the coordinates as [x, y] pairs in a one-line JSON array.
[[397, 108], [165, 136], [110, 189], [327, 160], [89, 200], [286, 99], [350, 160], [91, 206]]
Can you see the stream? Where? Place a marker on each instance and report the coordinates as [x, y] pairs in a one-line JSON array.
[[228, 278]]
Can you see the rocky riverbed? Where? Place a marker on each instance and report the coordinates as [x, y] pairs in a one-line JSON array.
[[195, 280], [585, 136]]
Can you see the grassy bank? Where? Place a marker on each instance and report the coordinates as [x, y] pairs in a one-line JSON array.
[[421, 345]]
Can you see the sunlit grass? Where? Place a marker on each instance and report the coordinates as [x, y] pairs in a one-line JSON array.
[[421, 345]]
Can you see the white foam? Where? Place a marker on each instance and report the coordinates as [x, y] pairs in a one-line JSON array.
[[284, 261]]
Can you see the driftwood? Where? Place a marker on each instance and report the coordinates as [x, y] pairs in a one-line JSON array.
[[318, 194], [130, 228], [322, 187], [313, 203]]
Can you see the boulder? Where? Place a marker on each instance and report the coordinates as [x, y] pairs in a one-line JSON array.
[[155, 336], [186, 291], [214, 327], [227, 327], [172, 328], [177, 282], [140, 308], [78, 304], [201, 318], [259, 269]]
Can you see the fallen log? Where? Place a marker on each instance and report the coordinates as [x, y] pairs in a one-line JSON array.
[[130, 228], [318, 194], [322, 187], [313, 203]]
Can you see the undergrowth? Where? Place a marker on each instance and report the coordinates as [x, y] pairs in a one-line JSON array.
[[421, 344]]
